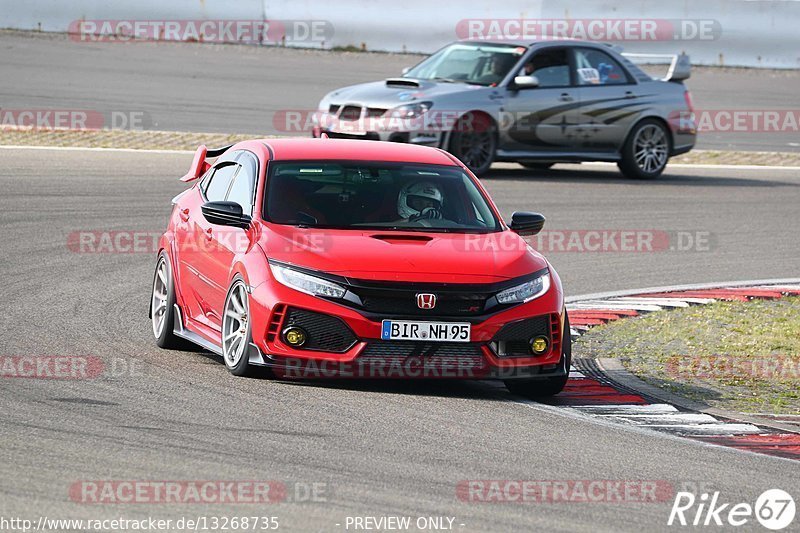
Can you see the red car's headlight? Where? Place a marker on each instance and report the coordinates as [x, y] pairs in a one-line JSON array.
[[525, 292], [306, 283]]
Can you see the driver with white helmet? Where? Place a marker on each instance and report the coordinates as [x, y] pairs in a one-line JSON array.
[[420, 200]]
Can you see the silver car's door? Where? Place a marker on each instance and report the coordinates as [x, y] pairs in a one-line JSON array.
[[542, 118], [610, 100]]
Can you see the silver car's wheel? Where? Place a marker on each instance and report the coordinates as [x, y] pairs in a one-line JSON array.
[[235, 326], [474, 142], [646, 152], [651, 148], [159, 302]]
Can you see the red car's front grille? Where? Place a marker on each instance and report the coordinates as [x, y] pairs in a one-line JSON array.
[[325, 333], [441, 359], [446, 305], [458, 350], [514, 338]]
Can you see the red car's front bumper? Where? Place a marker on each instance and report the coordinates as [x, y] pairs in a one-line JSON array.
[[362, 353]]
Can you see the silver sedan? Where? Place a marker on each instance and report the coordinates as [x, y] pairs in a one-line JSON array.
[[533, 103]]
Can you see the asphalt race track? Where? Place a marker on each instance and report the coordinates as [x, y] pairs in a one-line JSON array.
[[381, 448], [224, 88]]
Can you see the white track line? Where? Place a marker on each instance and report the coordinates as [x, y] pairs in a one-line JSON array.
[[631, 409], [660, 419], [661, 302], [688, 287], [152, 151], [730, 167], [709, 430], [598, 304], [779, 287], [677, 299], [699, 166]]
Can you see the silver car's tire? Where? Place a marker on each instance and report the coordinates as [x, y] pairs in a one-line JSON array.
[[646, 151], [237, 329], [474, 142]]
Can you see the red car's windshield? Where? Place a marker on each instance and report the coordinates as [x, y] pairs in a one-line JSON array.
[[364, 195]]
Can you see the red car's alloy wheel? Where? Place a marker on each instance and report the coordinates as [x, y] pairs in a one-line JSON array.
[[235, 332], [159, 301]]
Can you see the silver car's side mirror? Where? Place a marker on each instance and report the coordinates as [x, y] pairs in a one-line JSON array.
[[526, 82], [405, 70]]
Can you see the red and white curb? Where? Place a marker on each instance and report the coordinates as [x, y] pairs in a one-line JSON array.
[[607, 400]]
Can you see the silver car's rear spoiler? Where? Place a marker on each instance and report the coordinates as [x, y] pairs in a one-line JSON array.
[[680, 66]]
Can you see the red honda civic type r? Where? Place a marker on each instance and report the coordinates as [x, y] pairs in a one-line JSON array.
[[348, 258]]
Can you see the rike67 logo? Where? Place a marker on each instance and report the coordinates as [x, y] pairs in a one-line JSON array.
[[774, 509]]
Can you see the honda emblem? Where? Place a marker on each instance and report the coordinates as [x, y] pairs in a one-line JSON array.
[[426, 301]]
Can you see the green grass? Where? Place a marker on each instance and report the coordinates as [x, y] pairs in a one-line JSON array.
[[348, 48], [740, 356]]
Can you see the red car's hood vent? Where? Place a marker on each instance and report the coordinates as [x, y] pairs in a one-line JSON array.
[[403, 239]]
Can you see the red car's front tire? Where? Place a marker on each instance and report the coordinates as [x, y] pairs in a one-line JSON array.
[[237, 329]]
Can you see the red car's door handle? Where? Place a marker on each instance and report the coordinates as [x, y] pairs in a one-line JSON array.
[[185, 215]]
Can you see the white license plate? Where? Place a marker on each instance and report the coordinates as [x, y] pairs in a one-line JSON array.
[[396, 330], [348, 130]]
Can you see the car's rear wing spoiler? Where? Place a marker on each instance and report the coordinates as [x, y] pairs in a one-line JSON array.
[[680, 65], [200, 164]]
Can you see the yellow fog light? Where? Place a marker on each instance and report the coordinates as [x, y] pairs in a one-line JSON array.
[[294, 336], [539, 345]]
